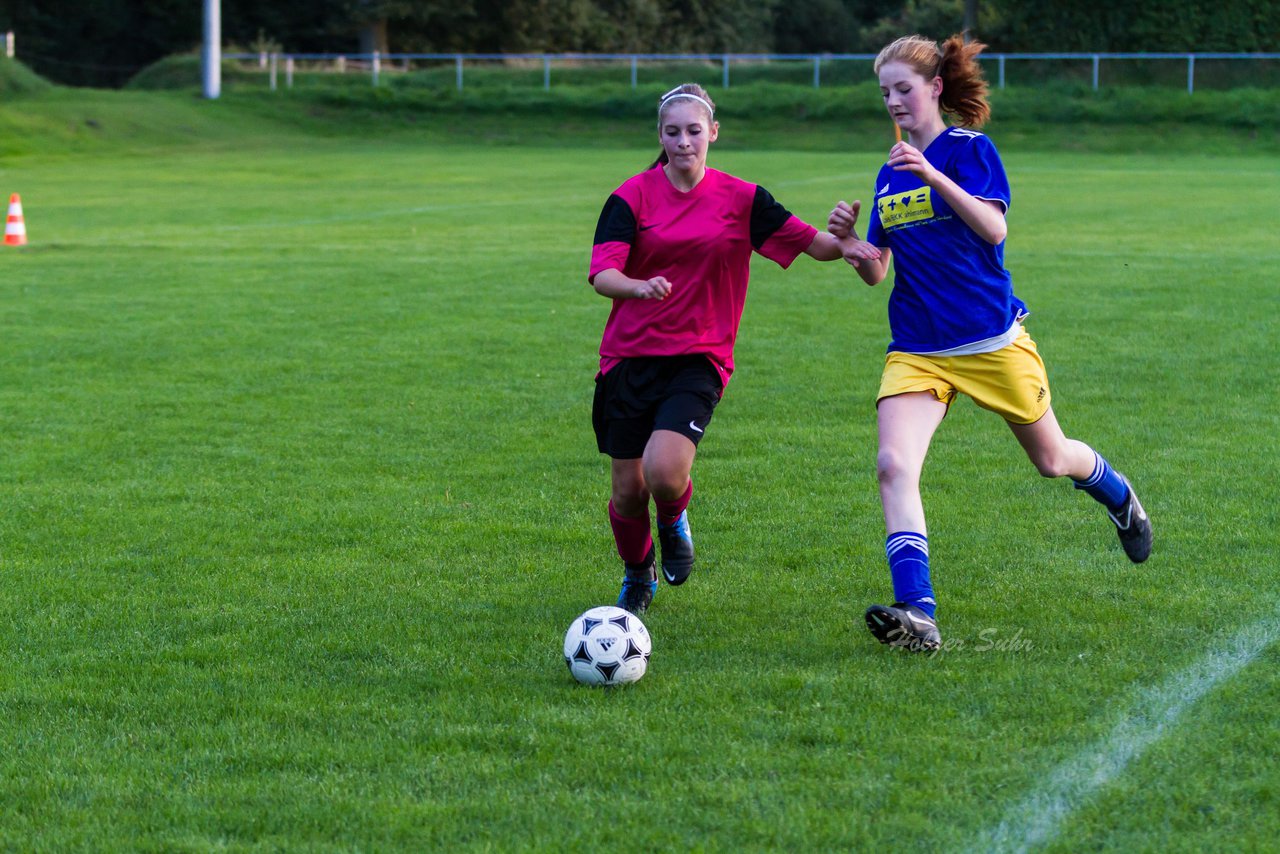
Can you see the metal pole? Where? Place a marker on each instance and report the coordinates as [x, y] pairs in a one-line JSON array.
[[633, 72], [726, 71], [1096, 60], [377, 66], [1001, 60], [817, 71], [458, 62], [546, 72], [288, 72], [1191, 73], [211, 55], [275, 68]]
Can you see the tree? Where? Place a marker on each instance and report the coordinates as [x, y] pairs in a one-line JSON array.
[[100, 43], [1135, 25]]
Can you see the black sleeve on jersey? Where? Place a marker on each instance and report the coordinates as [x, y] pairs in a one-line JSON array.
[[617, 222], [767, 216]]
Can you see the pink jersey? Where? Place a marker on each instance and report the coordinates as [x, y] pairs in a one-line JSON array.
[[700, 241]]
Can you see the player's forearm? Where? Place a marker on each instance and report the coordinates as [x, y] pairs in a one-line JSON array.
[[985, 218], [825, 247], [614, 284], [873, 270]]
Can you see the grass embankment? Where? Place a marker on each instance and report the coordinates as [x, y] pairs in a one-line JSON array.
[[164, 108]]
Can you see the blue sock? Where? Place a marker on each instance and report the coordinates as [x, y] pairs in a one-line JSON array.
[[1105, 485], [908, 555]]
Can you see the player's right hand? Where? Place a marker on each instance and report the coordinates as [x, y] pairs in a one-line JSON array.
[[859, 250], [843, 218], [656, 288]]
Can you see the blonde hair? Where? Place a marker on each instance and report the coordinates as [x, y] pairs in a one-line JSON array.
[[684, 92], [964, 87], [690, 91]]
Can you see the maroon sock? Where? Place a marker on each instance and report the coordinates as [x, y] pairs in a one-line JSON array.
[[632, 535], [669, 511]]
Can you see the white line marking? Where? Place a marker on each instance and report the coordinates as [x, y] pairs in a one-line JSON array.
[[1037, 819]]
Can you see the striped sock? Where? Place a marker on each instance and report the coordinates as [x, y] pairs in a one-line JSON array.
[[1105, 485], [908, 555]]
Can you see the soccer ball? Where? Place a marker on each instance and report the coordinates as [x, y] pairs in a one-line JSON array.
[[607, 646]]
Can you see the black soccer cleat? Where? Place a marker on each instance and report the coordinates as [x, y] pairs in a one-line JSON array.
[[677, 549], [904, 626], [1133, 526], [639, 583]]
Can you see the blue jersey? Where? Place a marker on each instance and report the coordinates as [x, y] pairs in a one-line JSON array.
[[950, 287]]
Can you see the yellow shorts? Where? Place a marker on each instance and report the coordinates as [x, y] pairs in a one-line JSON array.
[[1010, 382]]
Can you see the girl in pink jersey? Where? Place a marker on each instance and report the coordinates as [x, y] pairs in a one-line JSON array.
[[673, 250]]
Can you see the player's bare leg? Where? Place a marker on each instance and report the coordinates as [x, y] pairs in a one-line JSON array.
[[668, 459], [1055, 455], [906, 424]]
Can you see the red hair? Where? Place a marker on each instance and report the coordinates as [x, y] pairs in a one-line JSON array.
[[964, 87]]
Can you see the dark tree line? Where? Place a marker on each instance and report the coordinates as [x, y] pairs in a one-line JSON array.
[[104, 42]]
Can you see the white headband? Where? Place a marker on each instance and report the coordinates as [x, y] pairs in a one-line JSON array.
[[673, 94]]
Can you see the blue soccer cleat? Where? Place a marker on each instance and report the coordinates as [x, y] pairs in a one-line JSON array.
[[639, 583]]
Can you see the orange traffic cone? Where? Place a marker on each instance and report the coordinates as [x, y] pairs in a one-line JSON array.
[[15, 229]]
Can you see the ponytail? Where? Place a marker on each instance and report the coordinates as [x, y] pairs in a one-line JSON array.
[[964, 88]]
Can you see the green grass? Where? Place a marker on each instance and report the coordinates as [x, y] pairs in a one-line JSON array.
[[300, 494]]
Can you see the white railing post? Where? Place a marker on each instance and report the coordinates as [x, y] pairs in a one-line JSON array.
[[1001, 64], [817, 71], [458, 61], [377, 66], [726, 71], [288, 72], [633, 71], [211, 51], [262, 59], [1096, 61], [341, 64], [8, 44], [546, 72], [275, 67], [1191, 73]]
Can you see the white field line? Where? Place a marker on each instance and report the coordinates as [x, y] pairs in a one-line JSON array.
[[1037, 819]]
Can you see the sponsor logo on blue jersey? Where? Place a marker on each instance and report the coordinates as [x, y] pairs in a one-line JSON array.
[[897, 209]]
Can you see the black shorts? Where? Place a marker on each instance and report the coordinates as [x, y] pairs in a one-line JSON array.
[[647, 393]]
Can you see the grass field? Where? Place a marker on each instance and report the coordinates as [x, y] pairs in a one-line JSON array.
[[298, 494]]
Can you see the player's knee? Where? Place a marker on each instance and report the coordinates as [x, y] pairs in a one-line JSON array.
[[667, 484], [891, 467], [630, 498], [1050, 463]]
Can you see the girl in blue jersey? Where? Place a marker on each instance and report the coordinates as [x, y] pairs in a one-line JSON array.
[[939, 214]]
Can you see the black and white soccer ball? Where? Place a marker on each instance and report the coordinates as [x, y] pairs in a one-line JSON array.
[[607, 646]]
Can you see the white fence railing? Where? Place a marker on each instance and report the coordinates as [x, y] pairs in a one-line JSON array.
[[375, 64]]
